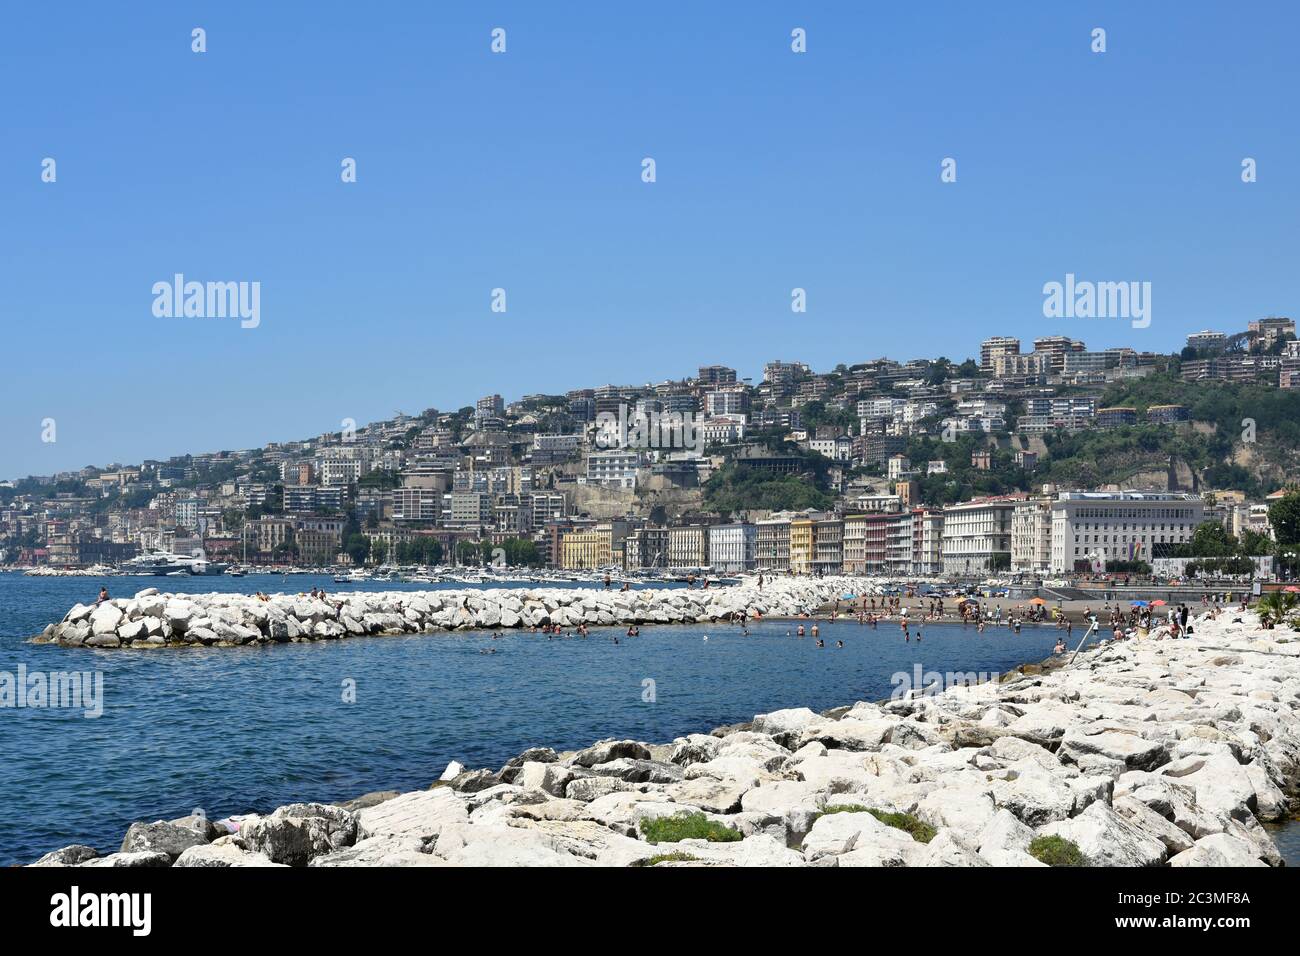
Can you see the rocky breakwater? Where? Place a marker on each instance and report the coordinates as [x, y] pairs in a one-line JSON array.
[[151, 619], [1140, 754]]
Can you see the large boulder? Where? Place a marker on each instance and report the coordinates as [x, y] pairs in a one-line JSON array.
[[163, 837], [1107, 839], [1004, 841], [384, 851], [138, 859], [1218, 850], [422, 814], [607, 750], [1222, 784], [295, 833], [105, 619], [1123, 749], [225, 852], [68, 856]]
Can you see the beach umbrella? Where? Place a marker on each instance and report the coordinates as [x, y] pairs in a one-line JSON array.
[[1154, 603], [1139, 604], [1292, 589], [847, 597], [1037, 600]]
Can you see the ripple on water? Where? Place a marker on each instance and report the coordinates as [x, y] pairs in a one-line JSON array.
[[237, 730]]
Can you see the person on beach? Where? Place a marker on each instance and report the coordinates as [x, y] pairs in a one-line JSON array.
[[607, 581], [800, 631], [103, 596], [815, 631], [1060, 646]]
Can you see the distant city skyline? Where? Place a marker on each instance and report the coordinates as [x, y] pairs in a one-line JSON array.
[[523, 171]]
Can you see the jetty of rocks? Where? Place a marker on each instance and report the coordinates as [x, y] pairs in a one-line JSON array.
[[1140, 753], [151, 619]]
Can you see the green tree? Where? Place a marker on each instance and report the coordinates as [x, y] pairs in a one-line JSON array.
[[358, 547], [1284, 516]]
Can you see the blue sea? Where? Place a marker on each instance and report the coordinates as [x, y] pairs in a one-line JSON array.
[[234, 730]]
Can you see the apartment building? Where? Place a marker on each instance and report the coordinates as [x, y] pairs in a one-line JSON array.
[[688, 546], [927, 542], [772, 544], [828, 546], [1031, 535], [733, 547], [977, 536], [801, 545], [595, 547]]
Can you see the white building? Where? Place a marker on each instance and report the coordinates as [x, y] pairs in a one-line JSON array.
[[1031, 535], [836, 449], [927, 542], [722, 431], [977, 535], [615, 468], [897, 466], [733, 402], [1090, 528], [733, 547]]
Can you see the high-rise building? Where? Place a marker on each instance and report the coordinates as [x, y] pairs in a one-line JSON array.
[[991, 348]]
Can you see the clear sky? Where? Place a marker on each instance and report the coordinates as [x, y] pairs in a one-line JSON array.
[[522, 171]]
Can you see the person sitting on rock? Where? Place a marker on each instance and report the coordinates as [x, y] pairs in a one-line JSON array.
[[103, 596]]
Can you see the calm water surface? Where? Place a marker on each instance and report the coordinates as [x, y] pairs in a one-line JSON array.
[[234, 730]]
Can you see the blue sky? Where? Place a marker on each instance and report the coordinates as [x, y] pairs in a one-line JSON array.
[[522, 171]]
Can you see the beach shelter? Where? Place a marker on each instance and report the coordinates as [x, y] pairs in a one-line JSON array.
[[1139, 604]]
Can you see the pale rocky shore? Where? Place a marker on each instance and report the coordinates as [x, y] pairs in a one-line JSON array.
[[150, 619], [1151, 753]]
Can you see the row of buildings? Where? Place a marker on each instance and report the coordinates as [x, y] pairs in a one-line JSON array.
[[1063, 533]]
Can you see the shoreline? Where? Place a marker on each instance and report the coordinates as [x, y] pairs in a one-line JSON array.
[[988, 766]]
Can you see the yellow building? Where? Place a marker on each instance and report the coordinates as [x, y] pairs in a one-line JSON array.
[[802, 546], [588, 548]]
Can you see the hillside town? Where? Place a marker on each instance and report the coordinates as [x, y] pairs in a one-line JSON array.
[[925, 467]]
